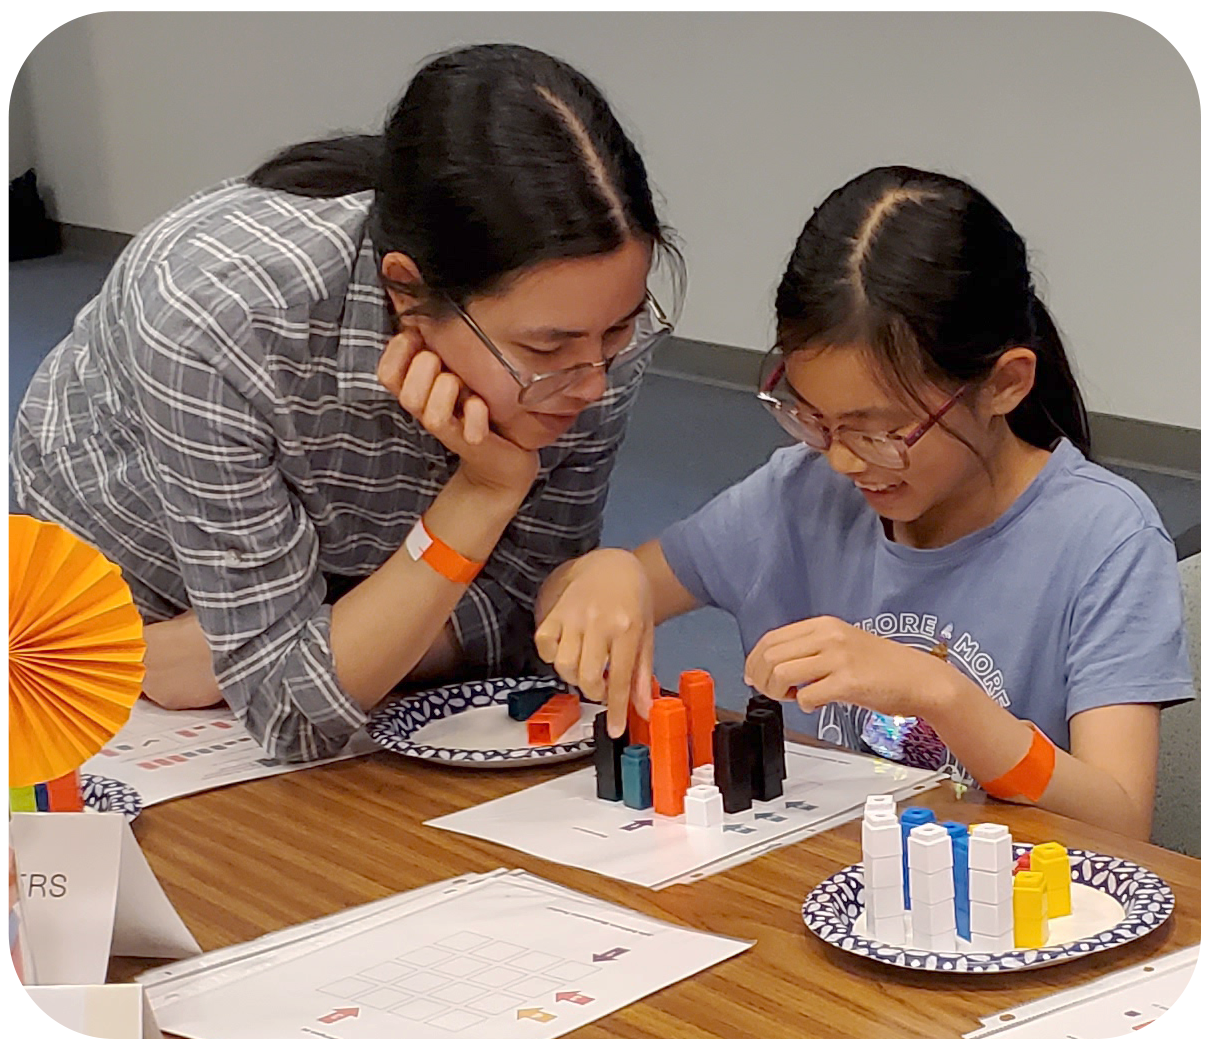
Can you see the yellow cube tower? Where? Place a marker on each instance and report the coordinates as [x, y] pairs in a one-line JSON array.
[[1031, 905], [1053, 860]]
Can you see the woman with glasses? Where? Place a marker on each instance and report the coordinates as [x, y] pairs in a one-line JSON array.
[[337, 421], [935, 572]]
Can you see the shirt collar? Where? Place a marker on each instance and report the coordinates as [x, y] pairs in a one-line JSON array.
[[365, 328]]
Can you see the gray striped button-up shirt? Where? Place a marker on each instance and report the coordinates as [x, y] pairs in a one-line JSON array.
[[214, 424]]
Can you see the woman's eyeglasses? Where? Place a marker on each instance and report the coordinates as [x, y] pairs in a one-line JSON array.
[[650, 328], [887, 450]]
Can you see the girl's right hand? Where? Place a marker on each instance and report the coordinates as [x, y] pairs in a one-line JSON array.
[[599, 634], [458, 418]]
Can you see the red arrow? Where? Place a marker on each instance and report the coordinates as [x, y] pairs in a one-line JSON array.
[[573, 997], [340, 1013]]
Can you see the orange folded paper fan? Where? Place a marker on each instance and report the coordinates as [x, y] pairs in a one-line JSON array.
[[75, 651]]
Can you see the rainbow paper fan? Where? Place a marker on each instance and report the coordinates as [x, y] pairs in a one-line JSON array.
[[75, 651]]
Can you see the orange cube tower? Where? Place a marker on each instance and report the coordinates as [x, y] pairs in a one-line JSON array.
[[696, 692], [553, 719], [639, 729], [669, 773]]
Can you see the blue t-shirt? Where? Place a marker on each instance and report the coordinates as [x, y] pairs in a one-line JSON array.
[[1070, 600]]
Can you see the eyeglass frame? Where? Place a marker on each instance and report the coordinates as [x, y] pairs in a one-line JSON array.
[[831, 436], [666, 327]]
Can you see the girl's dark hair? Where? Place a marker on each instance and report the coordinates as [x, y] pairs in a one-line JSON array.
[[496, 158], [923, 272]]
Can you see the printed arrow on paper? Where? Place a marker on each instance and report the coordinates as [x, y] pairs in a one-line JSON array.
[[573, 997], [612, 954], [801, 805], [737, 829], [771, 816], [638, 825], [535, 1013], [339, 1014]]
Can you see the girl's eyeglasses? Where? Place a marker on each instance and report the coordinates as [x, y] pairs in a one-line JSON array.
[[650, 328], [887, 450]]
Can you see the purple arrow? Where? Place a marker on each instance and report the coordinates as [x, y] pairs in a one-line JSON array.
[[637, 825], [612, 954]]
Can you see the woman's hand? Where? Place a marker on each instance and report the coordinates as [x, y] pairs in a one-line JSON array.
[[458, 418], [599, 633], [823, 660]]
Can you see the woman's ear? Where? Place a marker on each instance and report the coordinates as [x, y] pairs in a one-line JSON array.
[[399, 273], [1012, 379]]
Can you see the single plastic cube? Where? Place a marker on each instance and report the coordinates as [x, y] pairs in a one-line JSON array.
[[702, 806], [883, 901], [880, 836], [883, 872], [933, 918], [991, 887], [990, 847], [992, 919], [929, 849], [888, 929], [929, 888]]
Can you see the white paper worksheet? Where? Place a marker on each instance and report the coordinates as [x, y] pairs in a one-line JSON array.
[[167, 753], [503, 956], [564, 821], [1114, 1005]]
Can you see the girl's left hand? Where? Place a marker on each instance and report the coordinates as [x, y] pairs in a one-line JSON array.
[[823, 660]]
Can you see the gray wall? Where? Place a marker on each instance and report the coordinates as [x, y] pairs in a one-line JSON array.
[[1083, 127], [20, 127]]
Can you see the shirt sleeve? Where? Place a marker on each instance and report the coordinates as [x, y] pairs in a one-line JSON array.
[[246, 549], [562, 518], [1127, 640], [720, 552]]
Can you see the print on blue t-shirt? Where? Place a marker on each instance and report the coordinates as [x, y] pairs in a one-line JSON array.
[[1068, 601]]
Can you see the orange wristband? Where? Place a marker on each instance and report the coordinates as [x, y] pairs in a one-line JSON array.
[[1030, 777], [443, 559]]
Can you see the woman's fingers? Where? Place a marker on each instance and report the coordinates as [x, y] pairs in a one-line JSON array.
[[395, 359], [644, 673], [417, 382], [437, 416], [477, 420]]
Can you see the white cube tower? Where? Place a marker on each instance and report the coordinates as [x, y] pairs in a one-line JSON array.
[[881, 838], [932, 889], [991, 869]]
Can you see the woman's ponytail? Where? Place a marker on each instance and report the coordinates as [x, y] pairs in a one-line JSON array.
[[324, 168]]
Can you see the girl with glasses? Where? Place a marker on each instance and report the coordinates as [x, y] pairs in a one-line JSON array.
[[936, 571], [337, 421]]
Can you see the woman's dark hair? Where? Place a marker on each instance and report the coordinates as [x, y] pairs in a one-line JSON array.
[[496, 158], [927, 275]]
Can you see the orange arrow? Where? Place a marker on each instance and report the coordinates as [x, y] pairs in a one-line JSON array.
[[339, 1013], [536, 1013]]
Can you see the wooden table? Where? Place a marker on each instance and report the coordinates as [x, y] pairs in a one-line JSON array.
[[247, 859]]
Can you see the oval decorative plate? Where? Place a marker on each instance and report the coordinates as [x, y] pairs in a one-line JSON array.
[[1113, 902], [107, 796], [467, 724]]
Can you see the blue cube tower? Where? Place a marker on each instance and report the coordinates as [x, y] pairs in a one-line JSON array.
[[635, 777], [959, 835]]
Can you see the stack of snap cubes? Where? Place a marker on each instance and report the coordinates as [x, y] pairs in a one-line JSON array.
[[958, 883]]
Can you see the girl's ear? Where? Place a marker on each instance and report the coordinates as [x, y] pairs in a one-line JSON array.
[[1012, 379], [400, 270]]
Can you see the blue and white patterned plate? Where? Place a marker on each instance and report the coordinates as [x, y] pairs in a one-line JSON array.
[[832, 908], [467, 724], [107, 796]]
